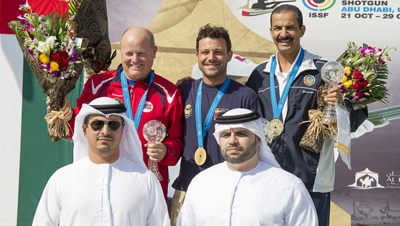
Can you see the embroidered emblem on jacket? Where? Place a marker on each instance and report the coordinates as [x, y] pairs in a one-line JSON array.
[[309, 80], [148, 106], [188, 111], [219, 111]]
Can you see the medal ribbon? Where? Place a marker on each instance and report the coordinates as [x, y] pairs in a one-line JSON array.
[[127, 99], [277, 108], [201, 132]]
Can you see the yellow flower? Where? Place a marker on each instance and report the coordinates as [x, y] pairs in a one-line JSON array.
[[347, 70], [348, 84], [44, 59], [54, 66], [344, 79]]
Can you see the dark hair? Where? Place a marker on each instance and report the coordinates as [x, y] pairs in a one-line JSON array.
[[286, 9], [209, 31]]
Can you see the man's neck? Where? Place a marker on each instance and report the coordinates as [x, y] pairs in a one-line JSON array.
[[135, 79], [103, 159], [217, 80], [285, 61]]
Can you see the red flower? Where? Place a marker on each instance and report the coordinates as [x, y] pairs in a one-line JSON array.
[[363, 83], [55, 57], [357, 75], [63, 54], [64, 63], [356, 86]]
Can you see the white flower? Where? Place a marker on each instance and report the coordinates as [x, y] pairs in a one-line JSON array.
[[46, 47]]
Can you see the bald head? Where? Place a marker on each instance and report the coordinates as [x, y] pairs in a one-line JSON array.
[[137, 53], [138, 32]]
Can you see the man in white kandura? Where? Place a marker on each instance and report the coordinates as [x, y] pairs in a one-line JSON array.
[[249, 188], [108, 183]]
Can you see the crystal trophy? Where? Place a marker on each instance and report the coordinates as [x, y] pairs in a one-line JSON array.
[[332, 73], [154, 132], [268, 131]]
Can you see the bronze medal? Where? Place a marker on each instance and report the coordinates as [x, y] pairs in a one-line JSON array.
[[277, 127], [200, 156]]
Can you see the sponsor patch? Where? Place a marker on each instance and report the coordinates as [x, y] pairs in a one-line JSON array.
[[118, 100], [219, 111], [148, 106], [188, 111], [309, 80], [117, 95]]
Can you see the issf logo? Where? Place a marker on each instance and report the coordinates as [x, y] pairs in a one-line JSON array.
[[319, 5]]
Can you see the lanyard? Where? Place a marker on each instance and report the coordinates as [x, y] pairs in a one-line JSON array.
[[127, 99], [201, 133], [277, 108]]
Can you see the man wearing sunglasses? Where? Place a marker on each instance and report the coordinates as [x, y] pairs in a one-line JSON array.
[[108, 183], [146, 95]]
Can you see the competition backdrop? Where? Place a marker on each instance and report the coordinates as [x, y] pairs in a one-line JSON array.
[[368, 194]]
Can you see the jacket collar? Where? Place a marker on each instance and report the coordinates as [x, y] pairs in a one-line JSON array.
[[118, 72]]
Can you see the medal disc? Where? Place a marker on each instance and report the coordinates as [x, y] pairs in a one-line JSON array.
[[200, 156], [277, 127]]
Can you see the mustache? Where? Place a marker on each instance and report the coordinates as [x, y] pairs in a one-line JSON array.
[[104, 136], [234, 146], [287, 38], [213, 62]]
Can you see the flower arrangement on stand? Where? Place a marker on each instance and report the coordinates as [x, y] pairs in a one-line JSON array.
[[365, 73], [53, 52]]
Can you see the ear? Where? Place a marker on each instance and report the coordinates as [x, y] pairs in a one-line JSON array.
[[230, 54], [155, 51], [258, 141], [303, 30], [84, 128]]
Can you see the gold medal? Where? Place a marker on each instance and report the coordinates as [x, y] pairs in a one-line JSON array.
[[200, 156], [277, 127]]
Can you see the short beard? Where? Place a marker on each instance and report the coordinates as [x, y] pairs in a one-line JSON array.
[[105, 149], [244, 156], [216, 74]]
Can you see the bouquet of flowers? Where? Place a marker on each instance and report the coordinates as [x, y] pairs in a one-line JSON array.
[[365, 74], [53, 53]]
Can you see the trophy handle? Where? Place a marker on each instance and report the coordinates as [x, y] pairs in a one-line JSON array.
[[329, 116], [154, 168]]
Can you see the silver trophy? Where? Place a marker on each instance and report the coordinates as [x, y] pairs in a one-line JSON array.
[[332, 73], [154, 132]]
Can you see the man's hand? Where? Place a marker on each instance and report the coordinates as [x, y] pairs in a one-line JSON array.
[[156, 151], [333, 95], [66, 103], [185, 79]]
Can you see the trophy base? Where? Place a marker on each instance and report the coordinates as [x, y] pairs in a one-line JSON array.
[[329, 116]]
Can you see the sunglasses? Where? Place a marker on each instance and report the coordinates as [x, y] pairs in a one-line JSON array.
[[98, 125]]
